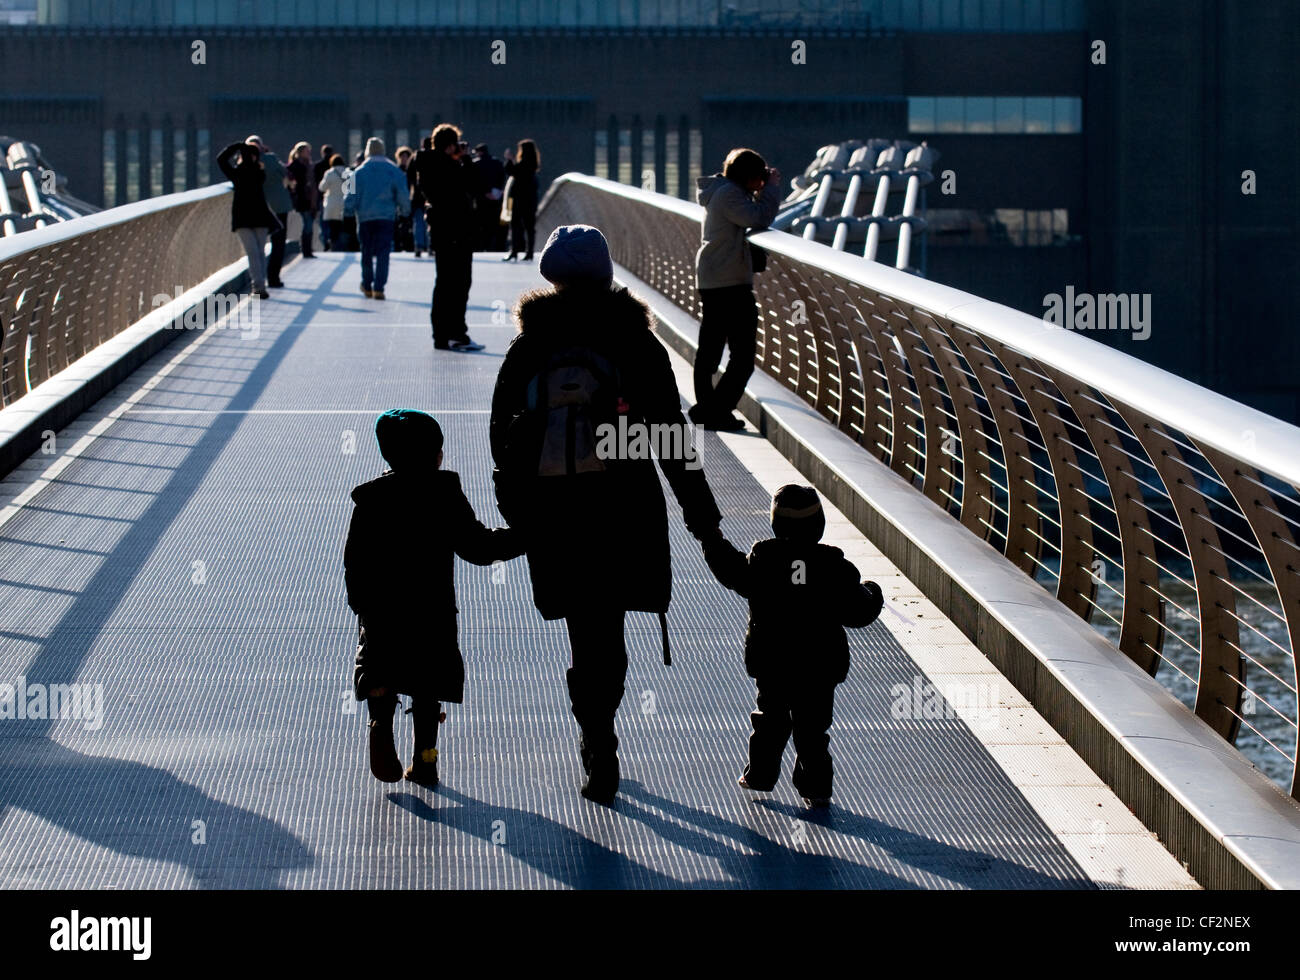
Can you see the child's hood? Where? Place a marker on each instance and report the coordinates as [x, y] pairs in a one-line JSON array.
[[388, 488], [784, 549]]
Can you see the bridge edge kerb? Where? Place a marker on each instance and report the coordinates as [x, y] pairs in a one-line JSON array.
[[1186, 815]]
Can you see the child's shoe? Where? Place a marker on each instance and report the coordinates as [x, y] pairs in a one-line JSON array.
[[384, 763], [423, 769], [754, 787], [817, 802]]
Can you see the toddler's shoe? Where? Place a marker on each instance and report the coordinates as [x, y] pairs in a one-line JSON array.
[[754, 787], [817, 802]]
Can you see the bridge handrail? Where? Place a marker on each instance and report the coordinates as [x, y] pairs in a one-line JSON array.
[[68, 287], [1179, 535]]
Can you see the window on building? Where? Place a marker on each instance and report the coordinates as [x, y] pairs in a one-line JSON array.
[[979, 114], [1038, 115], [696, 158], [602, 153], [648, 160], [110, 168], [203, 156], [178, 160], [994, 114], [950, 114], [625, 156], [1013, 227], [156, 163], [132, 166]]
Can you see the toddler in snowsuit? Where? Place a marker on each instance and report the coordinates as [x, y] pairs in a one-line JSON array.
[[801, 596], [400, 573]]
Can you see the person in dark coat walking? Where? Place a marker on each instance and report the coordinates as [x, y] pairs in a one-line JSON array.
[[594, 523], [250, 219], [318, 174], [400, 574], [801, 596], [523, 168], [491, 184], [302, 190], [448, 183]]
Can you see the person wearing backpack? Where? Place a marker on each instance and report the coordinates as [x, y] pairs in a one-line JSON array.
[[594, 524]]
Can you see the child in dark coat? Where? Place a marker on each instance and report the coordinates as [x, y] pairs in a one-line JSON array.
[[801, 596], [400, 573]]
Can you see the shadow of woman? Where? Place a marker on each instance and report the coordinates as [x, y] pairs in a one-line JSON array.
[[556, 851], [137, 811]]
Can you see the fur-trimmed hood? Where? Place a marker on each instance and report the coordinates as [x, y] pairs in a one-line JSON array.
[[545, 310]]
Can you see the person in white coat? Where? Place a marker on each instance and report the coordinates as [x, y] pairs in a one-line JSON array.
[[333, 188]]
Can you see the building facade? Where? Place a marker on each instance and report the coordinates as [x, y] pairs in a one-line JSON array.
[[1115, 175]]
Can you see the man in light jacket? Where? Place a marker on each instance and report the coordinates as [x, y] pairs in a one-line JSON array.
[[377, 197], [745, 195]]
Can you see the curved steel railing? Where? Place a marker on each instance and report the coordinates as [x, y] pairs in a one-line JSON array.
[[1166, 515], [68, 287]]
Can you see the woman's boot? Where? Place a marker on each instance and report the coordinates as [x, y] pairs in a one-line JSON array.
[[384, 763]]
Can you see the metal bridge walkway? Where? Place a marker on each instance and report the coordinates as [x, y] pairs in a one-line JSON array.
[[187, 556]]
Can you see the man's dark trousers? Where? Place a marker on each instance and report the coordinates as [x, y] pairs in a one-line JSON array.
[[455, 266], [806, 711], [730, 319], [276, 260]]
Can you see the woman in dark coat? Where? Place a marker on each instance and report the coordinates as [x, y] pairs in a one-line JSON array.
[[523, 212], [250, 218], [302, 190], [594, 523]]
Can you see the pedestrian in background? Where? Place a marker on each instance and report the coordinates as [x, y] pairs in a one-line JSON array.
[[250, 218], [523, 167], [333, 190], [378, 197], [449, 184], [404, 235], [318, 174], [745, 195], [278, 200], [302, 189], [492, 182]]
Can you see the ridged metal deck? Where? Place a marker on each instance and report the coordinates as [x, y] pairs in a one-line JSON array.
[[190, 562]]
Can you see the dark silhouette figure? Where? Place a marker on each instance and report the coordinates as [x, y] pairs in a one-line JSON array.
[[447, 181], [801, 596], [523, 193], [280, 202], [492, 182], [317, 173], [302, 189], [724, 275], [406, 527], [595, 525], [250, 218]]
